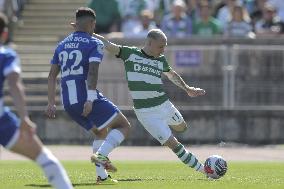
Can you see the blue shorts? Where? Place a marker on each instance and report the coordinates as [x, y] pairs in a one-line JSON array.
[[9, 129], [102, 114]]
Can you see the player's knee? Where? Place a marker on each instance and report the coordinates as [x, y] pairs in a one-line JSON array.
[[124, 125], [100, 134], [180, 128], [126, 129], [183, 127], [28, 146], [124, 122]]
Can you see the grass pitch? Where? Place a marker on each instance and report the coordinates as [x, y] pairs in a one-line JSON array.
[[147, 175]]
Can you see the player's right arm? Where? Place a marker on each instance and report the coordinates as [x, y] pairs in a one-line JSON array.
[[109, 46], [51, 107]]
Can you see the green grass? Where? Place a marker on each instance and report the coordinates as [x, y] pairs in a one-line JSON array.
[[147, 175]]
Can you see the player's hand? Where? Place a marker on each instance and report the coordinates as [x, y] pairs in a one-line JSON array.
[[50, 110], [194, 92], [88, 106], [27, 126]]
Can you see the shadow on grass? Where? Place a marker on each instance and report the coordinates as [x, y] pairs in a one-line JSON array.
[[82, 184], [120, 180], [48, 185]]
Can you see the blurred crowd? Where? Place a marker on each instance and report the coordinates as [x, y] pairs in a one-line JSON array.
[[185, 18], [12, 9], [177, 18]]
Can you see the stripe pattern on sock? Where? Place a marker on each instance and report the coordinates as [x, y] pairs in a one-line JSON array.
[[187, 157]]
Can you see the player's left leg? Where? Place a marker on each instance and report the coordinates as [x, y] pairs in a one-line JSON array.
[[177, 123], [99, 139], [111, 128], [183, 154], [30, 146], [118, 129]]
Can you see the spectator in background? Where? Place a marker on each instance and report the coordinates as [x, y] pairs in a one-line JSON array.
[[108, 16], [177, 23], [270, 24], [207, 25], [130, 11], [145, 25], [10, 8], [163, 7], [131, 8], [192, 9], [239, 26], [280, 7], [249, 5], [224, 14], [256, 13]]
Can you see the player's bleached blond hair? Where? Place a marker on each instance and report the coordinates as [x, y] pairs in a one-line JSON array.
[[156, 34]]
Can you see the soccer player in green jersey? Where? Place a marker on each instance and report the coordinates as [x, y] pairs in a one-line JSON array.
[[144, 68]]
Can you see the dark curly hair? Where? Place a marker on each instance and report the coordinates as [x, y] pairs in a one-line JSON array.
[[85, 11]]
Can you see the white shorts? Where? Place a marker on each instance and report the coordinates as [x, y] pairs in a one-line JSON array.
[[156, 120]]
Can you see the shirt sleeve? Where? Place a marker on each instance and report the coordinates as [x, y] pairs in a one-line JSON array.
[[166, 66], [124, 52], [97, 53], [12, 63], [55, 58]]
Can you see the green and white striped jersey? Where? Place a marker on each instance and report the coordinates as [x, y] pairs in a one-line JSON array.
[[143, 73]]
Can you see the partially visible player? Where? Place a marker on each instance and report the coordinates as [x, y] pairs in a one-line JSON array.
[[19, 135], [144, 68], [78, 57]]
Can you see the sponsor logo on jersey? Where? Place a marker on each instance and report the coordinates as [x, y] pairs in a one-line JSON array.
[[141, 60]]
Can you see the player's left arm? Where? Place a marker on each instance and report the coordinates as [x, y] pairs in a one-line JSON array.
[[92, 81], [178, 81], [16, 90], [92, 78]]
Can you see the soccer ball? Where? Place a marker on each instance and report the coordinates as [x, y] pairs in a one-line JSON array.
[[215, 167]]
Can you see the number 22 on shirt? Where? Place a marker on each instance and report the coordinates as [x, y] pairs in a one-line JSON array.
[[74, 69]]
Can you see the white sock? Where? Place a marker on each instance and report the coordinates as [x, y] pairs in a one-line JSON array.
[[100, 170], [113, 139], [53, 170]]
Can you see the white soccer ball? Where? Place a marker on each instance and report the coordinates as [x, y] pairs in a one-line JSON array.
[[215, 167]]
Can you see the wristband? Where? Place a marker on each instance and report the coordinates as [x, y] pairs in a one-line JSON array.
[[92, 95]]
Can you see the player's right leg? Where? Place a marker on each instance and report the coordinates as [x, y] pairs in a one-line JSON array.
[[174, 118], [28, 144]]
